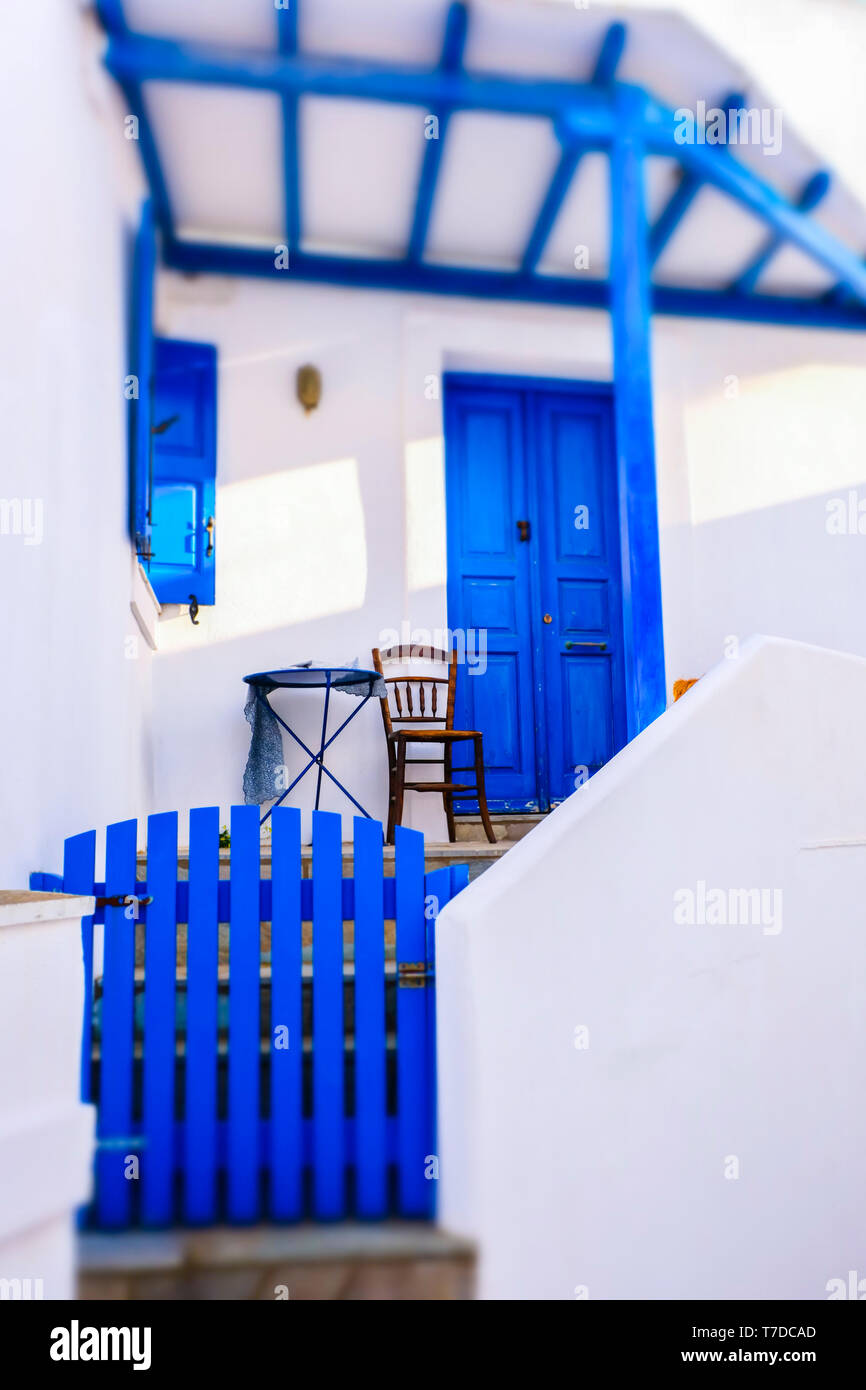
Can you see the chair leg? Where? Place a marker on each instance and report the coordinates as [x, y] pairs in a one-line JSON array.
[[448, 797], [392, 793], [399, 781], [482, 793]]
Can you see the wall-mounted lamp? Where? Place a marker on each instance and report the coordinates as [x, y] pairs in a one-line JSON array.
[[308, 385]]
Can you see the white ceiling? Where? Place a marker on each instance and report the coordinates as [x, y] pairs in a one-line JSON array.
[[221, 149]]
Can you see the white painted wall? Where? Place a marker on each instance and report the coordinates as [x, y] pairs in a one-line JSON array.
[[74, 695], [758, 432], [46, 1133], [604, 1163], [331, 526]]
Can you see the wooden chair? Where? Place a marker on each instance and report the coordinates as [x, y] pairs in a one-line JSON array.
[[417, 703]]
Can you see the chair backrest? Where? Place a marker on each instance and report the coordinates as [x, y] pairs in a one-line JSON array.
[[417, 697]]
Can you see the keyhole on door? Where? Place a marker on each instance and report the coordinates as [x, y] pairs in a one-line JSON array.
[[524, 531], [548, 618]]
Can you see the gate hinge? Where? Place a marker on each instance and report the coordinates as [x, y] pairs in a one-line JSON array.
[[123, 900], [414, 974]]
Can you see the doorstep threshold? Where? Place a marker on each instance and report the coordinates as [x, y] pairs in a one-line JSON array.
[[455, 851], [103, 1252]]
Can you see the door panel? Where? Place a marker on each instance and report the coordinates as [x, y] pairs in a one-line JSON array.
[[488, 585], [175, 506], [496, 711], [490, 604], [587, 703], [581, 586], [573, 502], [551, 702], [584, 606]]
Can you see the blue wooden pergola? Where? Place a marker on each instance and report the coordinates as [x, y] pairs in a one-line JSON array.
[[623, 121]]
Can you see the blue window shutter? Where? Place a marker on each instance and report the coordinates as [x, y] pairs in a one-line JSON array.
[[141, 371], [183, 465]]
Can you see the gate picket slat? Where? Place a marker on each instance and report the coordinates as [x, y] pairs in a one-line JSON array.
[[286, 1048], [202, 962], [329, 1181], [413, 1102], [114, 1190], [160, 956], [459, 878], [439, 886], [244, 963], [79, 871], [370, 1043]]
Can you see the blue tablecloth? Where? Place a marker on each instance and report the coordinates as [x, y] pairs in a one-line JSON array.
[[266, 741]]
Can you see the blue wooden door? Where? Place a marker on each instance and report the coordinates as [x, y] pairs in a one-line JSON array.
[[582, 674], [183, 493], [490, 580], [534, 559]]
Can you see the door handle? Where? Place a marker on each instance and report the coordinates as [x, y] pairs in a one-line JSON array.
[[597, 646], [524, 530], [209, 525]]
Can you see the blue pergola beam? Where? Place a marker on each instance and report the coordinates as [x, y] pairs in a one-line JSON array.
[[840, 295], [141, 365], [114, 22], [672, 215], [587, 111], [555, 196], [139, 58], [570, 155], [567, 292], [287, 40], [815, 190], [111, 16], [715, 166], [609, 54], [453, 45], [790, 311], [682, 197], [630, 309]]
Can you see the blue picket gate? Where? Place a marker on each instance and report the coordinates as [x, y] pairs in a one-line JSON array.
[[294, 1083]]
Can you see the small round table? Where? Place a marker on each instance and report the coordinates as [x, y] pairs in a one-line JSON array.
[[349, 679]]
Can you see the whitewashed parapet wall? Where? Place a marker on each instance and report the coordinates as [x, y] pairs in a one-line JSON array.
[[652, 1012], [75, 694], [46, 1133]]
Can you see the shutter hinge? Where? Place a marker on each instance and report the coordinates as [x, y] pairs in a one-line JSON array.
[[142, 548]]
